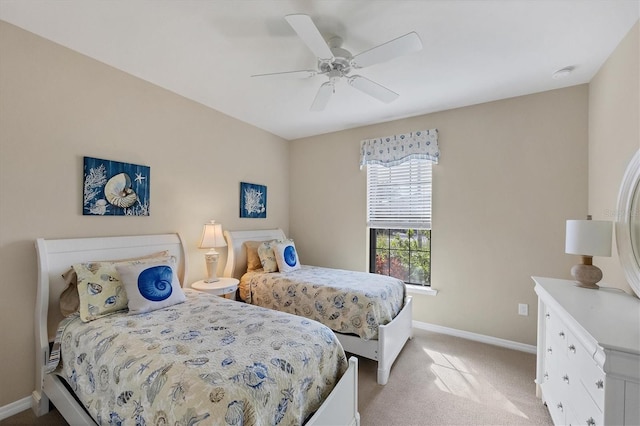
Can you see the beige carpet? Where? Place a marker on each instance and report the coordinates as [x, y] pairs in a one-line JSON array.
[[437, 380], [444, 380]]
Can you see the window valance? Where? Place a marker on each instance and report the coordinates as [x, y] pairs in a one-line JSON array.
[[393, 150]]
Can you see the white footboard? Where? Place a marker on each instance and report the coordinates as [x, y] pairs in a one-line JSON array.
[[339, 409], [341, 406], [65, 403], [391, 340]]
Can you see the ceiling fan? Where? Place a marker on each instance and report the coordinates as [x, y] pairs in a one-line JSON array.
[[336, 63]]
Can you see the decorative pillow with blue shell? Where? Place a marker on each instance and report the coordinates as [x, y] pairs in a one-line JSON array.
[[267, 257], [151, 286], [286, 255], [70, 298], [100, 289]]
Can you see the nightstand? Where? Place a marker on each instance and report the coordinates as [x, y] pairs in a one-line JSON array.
[[225, 287]]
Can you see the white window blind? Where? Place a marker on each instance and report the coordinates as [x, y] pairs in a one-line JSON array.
[[399, 196]]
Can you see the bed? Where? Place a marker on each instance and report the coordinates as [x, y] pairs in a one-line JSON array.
[[229, 367], [387, 340]]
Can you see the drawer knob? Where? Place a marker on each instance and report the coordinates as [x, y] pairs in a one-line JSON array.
[[561, 334], [572, 348], [559, 406], [547, 316], [600, 384], [591, 422], [546, 376], [550, 350], [565, 378]]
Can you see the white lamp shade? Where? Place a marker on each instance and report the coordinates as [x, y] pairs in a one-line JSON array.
[[212, 236], [588, 237]]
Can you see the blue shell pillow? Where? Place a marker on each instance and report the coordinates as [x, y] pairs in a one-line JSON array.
[[151, 286], [286, 255]]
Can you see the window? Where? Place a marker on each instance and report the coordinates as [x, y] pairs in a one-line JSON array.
[[402, 253], [399, 218]]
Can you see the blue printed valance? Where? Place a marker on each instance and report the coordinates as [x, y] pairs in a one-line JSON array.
[[393, 150]]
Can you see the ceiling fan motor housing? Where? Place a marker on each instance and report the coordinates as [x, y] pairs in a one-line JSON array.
[[341, 62]]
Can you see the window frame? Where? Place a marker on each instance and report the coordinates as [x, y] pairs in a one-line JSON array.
[[416, 219]]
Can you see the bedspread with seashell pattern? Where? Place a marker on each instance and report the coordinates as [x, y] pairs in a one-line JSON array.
[[348, 302], [208, 360]]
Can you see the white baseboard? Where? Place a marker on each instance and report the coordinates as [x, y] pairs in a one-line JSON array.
[[15, 407], [496, 341]]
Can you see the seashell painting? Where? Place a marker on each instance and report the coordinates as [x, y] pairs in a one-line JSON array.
[[113, 188], [118, 191]]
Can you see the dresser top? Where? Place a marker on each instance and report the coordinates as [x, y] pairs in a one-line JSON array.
[[610, 316]]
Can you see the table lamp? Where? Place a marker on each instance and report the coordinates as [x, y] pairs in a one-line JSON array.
[[588, 238], [212, 238]]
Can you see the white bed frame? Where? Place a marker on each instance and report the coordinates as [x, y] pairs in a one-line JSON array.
[[391, 337], [56, 256]]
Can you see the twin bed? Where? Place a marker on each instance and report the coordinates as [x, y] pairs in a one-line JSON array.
[[370, 314], [206, 359]]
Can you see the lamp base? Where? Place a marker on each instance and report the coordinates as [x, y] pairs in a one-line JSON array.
[[211, 259], [586, 275]]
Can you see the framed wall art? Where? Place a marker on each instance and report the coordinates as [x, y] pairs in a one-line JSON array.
[[253, 200], [112, 188]]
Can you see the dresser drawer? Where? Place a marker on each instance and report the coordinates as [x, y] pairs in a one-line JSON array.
[[583, 410], [584, 368], [552, 395], [593, 380], [578, 406], [556, 330]]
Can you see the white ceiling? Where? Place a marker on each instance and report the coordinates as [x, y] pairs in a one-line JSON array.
[[206, 50]]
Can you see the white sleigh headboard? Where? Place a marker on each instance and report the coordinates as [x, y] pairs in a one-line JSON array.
[[237, 254], [54, 257]]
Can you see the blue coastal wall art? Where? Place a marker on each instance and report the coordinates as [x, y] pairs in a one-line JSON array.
[[112, 188], [253, 200]]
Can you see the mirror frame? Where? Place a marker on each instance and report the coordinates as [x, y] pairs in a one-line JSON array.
[[629, 261]]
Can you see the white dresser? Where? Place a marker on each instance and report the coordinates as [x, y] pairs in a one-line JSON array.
[[588, 364]]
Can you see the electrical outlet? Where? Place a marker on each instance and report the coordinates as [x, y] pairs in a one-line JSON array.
[[523, 309]]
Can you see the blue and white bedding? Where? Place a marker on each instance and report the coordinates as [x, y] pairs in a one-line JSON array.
[[208, 360], [346, 301]]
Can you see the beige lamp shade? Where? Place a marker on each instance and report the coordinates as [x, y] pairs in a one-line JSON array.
[[588, 237], [212, 236]]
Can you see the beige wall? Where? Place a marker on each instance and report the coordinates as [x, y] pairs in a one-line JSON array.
[[511, 172], [57, 106], [614, 136]]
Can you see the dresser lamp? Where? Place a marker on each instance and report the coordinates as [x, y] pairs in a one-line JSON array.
[[212, 238], [588, 238]]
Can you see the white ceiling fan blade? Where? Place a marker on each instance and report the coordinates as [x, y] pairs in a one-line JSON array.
[[373, 89], [400, 46], [290, 74], [322, 97], [310, 35]]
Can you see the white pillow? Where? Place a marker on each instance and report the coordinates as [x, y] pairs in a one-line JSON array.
[[151, 286], [286, 255]]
